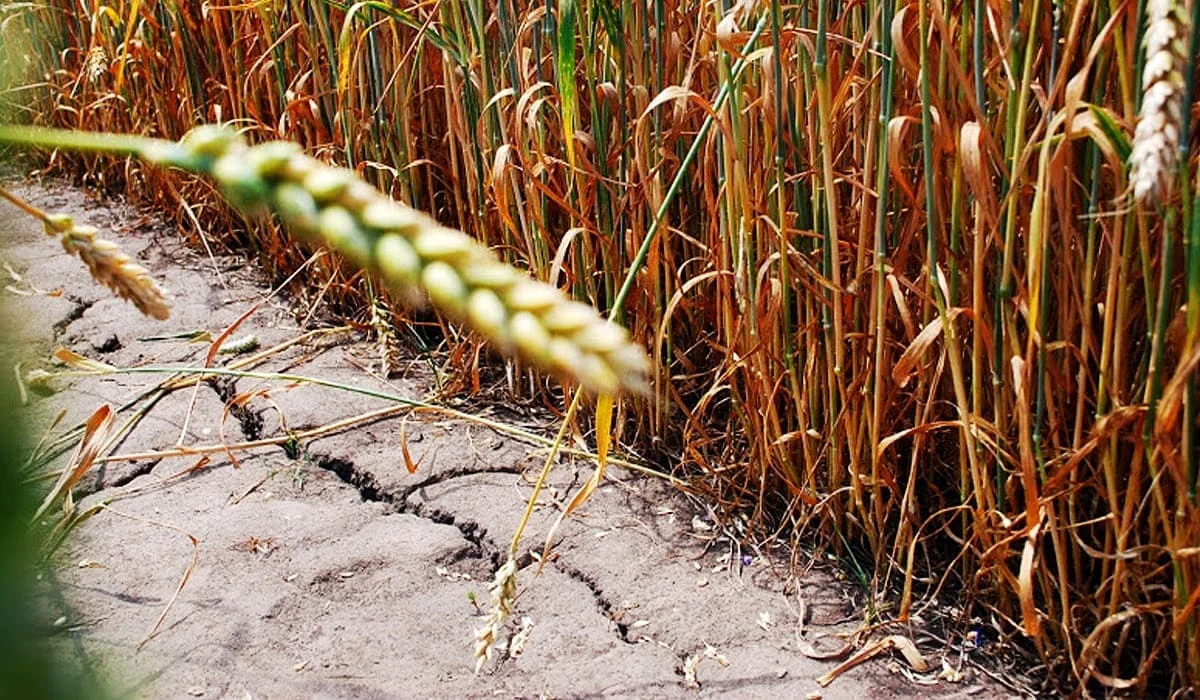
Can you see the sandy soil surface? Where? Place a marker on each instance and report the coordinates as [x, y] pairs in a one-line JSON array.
[[324, 568]]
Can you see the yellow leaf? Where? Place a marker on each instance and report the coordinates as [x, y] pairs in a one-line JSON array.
[[604, 407], [78, 361]]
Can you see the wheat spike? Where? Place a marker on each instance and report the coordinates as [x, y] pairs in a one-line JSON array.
[[413, 253], [1155, 153], [110, 266], [504, 593], [97, 63]]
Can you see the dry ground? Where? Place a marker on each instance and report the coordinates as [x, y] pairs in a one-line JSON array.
[[328, 570]]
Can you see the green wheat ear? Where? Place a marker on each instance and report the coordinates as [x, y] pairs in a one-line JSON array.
[[413, 253]]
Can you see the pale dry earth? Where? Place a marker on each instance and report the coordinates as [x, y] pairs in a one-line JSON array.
[[329, 570]]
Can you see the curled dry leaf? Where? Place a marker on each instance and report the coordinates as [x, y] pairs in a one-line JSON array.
[[905, 367], [95, 434], [900, 643]]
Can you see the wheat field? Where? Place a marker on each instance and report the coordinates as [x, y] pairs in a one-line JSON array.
[[920, 281]]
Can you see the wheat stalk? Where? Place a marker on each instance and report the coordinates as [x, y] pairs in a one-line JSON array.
[[1155, 153]]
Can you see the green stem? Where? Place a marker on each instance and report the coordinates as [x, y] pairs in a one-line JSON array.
[[94, 142], [1191, 258], [618, 308]]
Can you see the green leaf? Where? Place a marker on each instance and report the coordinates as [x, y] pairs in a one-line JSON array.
[[566, 74], [1115, 134], [611, 16]]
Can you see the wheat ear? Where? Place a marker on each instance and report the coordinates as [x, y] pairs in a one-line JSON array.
[[412, 252], [504, 594], [1155, 155], [105, 260]]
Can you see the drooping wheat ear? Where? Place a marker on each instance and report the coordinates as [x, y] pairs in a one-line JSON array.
[[504, 592], [1155, 152], [97, 63], [110, 266], [412, 252]]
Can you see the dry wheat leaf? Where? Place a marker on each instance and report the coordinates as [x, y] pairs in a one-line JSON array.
[[906, 366]]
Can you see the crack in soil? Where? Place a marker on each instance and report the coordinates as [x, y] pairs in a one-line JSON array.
[[251, 421], [123, 480], [482, 546], [449, 474], [100, 481], [368, 487], [613, 613], [110, 344], [78, 309]]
